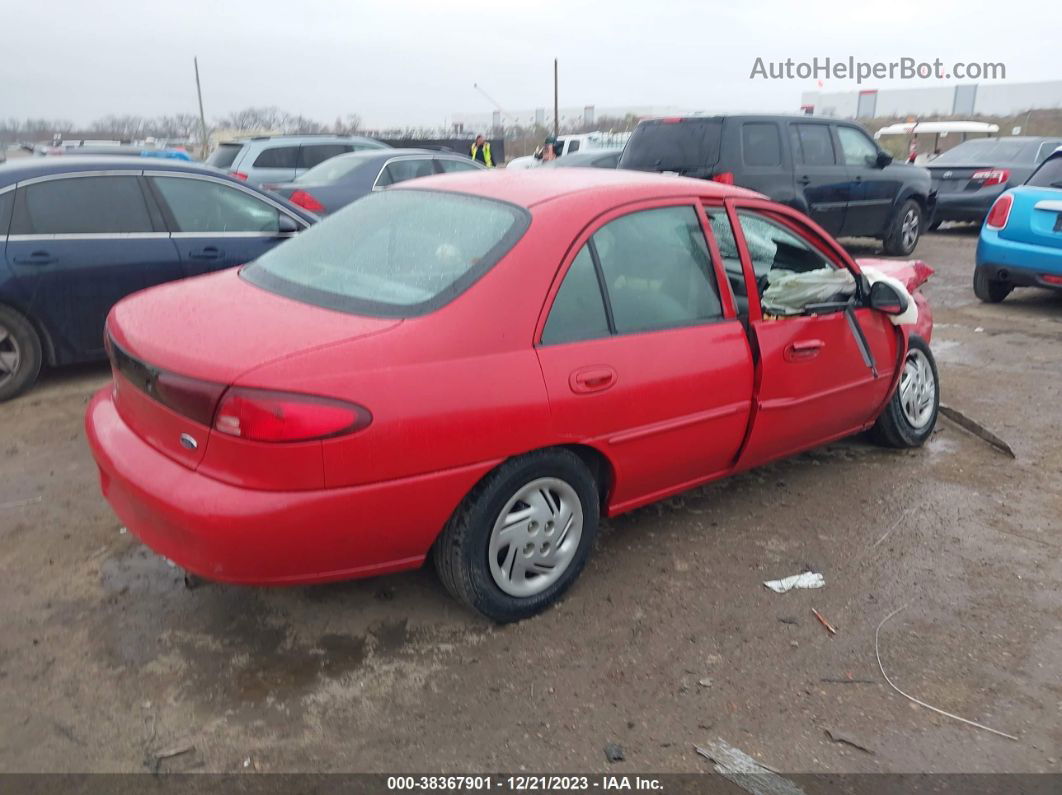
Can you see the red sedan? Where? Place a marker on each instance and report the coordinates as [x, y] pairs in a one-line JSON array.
[[477, 366]]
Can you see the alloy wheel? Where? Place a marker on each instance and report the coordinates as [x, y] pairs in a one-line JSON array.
[[10, 355], [909, 229]]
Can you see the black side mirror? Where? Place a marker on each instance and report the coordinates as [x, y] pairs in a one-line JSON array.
[[885, 298], [884, 158], [286, 225]]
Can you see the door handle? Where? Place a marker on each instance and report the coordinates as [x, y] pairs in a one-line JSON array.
[[802, 350], [804, 180], [597, 378], [210, 252], [36, 258]]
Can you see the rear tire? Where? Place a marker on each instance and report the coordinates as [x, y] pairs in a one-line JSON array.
[[905, 230], [20, 354], [991, 291], [521, 536], [911, 414]]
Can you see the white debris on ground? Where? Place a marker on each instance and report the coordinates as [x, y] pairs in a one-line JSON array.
[[809, 579]]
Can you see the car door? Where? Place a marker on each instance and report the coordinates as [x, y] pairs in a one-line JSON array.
[[79, 243], [821, 179], [874, 189], [641, 356], [216, 224], [819, 376]]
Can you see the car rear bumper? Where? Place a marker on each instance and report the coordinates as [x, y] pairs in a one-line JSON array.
[[231, 534], [1020, 264], [964, 206]]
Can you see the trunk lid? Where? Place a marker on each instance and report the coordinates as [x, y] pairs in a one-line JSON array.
[[956, 179], [1035, 217]]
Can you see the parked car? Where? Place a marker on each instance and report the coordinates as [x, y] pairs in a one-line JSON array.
[[970, 177], [571, 144], [1021, 239], [830, 169], [281, 158], [79, 233], [337, 182], [603, 158], [475, 366], [116, 151]]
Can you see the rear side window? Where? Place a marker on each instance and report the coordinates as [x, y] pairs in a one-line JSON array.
[[277, 157], [656, 270], [761, 145], [394, 253], [1048, 175], [7, 201], [81, 205], [200, 205], [224, 156], [573, 147], [682, 146], [448, 166], [813, 145], [311, 155], [578, 311], [401, 170]]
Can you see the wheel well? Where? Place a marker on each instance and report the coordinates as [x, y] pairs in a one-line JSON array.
[[47, 346], [599, 466]]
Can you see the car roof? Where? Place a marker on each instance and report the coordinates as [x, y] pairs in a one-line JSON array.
[[289, 139], [29, 167], [529, 187]]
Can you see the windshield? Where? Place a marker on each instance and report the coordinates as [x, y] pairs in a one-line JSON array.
[[394, 253], [333, 169], [665, 145], [223, 156], [1048, 175], [985, 151]]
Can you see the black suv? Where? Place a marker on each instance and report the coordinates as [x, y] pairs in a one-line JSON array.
[[830, 169]]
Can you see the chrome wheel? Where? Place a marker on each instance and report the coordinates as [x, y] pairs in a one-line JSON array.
[[10, 355], [918, 389], [909, 229], [535, 537]]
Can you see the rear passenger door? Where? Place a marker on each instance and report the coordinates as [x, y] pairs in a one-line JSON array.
[[215, 224], [874, 189], [79, 243], [641, 356], [821, 179], [311, 155]]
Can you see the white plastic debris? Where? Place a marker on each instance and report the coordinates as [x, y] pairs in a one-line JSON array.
[[809, 579]]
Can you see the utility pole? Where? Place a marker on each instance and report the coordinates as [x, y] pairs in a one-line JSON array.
[[202, 116], [556, 103]]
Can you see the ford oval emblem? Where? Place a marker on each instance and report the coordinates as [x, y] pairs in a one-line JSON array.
[[188, 442]]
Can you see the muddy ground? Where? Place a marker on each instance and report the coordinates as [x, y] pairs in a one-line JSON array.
[[106, 658]]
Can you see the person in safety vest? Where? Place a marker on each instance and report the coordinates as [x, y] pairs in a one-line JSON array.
[[481, 151]]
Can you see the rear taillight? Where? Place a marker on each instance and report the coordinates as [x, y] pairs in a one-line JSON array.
[[239, 175], [1000, 212], [306, 201], [189, 397], [990, 176], [725, 177], [267, 416], [1051, 278]]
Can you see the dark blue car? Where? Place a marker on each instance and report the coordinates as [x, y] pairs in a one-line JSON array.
[[79, 233]]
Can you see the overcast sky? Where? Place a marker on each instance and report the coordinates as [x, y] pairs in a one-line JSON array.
[[414, 61]]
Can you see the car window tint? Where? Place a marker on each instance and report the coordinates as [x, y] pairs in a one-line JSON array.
[[448, 165], [985, 152], [277, 157], [656, 269], [761, 144], [771, 246], [311, 155], [200, 205], [1048, 175], [224, 155], [578, 311], [573, 147], [401, 170], [82, 205], [816, 144], [858, 149]]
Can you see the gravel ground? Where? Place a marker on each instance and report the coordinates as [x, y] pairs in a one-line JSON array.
[[668, 639]]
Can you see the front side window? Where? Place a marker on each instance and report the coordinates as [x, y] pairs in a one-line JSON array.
[[82, 205], [656, 270], [760, 144], [393, 253], [773, 247], [578, 311], [402, 170], [858, 149], [815, 145], [200, 205], [278, 157]]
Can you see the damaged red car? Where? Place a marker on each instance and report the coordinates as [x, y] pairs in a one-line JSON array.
[[475, 367]]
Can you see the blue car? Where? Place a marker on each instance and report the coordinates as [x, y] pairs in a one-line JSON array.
[[79, 233], [1021, 239]]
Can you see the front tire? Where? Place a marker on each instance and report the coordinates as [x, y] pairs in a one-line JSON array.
[[905, 230], [911, 413], [20, 354], [521, 536], [991, 291]]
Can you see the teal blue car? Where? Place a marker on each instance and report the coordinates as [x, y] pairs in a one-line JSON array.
[[1021, 239]]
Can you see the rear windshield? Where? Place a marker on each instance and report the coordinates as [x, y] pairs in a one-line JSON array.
[[224, 155], [333, 169], [986, 152], [395, 253], [682, 146], [1048, 175]]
